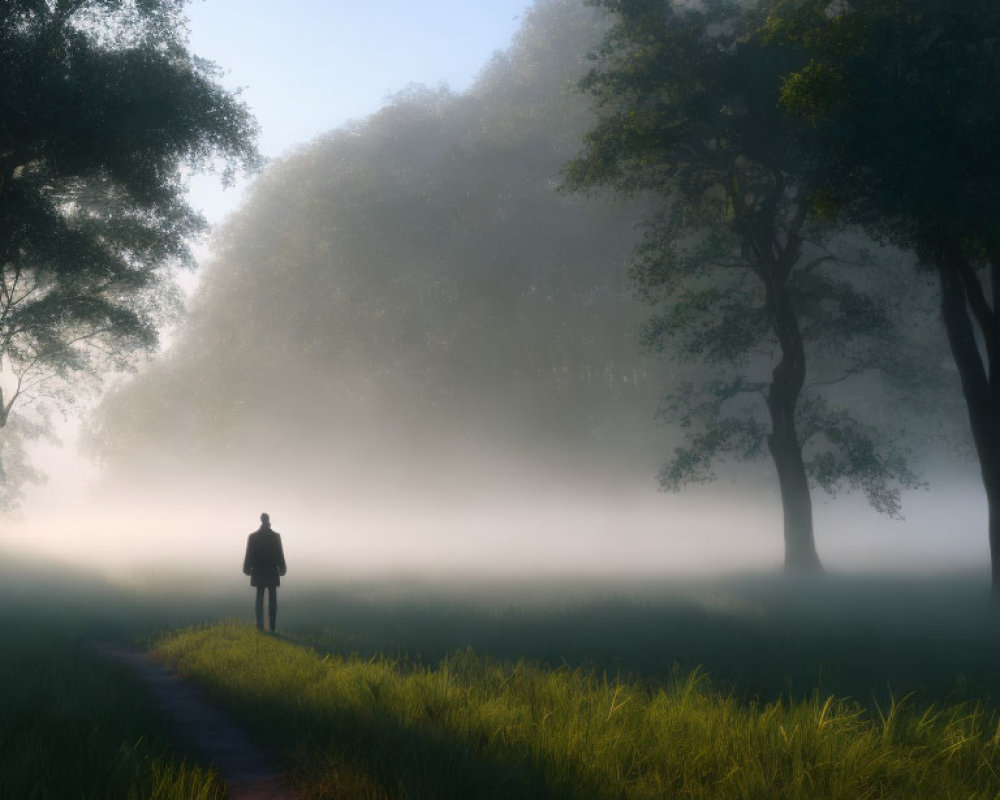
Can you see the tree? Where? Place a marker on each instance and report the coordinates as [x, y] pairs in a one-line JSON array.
[[101, 107], [901, 105], [688, 111]]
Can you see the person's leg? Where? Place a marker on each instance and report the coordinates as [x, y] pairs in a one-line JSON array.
[[259, 608], [272, 605]]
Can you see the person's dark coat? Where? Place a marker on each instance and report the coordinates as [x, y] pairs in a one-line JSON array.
[[265, 560]]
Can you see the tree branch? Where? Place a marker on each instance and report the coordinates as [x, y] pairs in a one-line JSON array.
[[977, 298]]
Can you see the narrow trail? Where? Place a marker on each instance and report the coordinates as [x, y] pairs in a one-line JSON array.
[[249, 772]]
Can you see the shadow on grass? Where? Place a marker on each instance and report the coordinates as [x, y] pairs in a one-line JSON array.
[[414, 762], [340, 752]]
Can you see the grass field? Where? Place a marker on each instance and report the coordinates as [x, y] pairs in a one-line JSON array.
[[473, 728], [744, 688]]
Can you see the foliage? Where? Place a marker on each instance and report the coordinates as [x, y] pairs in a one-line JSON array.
[[900, 97], [16, 469], [472, 727], [849, 453], [102, 109]]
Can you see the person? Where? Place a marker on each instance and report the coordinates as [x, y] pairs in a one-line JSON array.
[[265, 564]]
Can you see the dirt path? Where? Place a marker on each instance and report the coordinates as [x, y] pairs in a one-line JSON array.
[[249, 773]]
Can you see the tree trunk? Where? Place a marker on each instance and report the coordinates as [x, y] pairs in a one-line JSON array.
[[773, 264], [991, 477], [796, 503], [979, 390], [787, 381]]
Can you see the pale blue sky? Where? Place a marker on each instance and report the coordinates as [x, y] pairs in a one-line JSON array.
[[308, 66]]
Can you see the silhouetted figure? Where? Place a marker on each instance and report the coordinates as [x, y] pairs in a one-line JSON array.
[[265, 564]]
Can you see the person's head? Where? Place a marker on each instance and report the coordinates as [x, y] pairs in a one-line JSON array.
[[265, 520]]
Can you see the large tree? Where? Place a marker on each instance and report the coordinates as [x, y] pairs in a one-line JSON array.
[[901, 105], [407, 303], [688, 112], [102, 109]]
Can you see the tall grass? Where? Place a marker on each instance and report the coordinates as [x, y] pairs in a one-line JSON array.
[[73, 725], [471, 727]]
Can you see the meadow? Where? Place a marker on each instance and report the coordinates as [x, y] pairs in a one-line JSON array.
[[739, 688]]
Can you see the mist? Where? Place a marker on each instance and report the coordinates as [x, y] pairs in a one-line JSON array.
[[421, 358]]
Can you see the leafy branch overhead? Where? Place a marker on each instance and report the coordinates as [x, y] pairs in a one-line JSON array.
[[845, 452], [101, 107], [717, 421]]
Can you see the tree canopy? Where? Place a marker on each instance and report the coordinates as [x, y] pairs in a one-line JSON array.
[[103, 110]]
